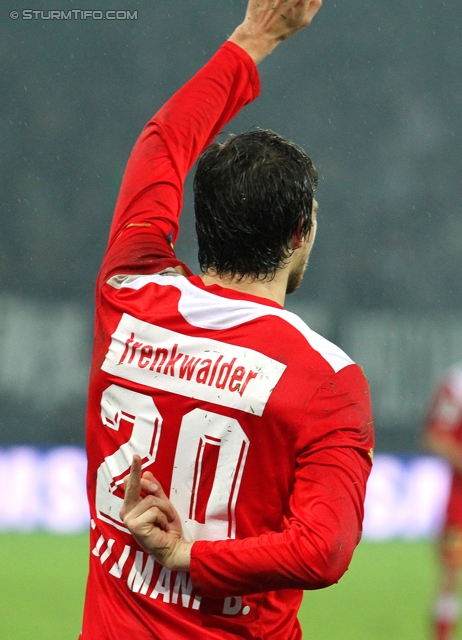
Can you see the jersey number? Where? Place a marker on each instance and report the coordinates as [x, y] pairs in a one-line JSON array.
[[207, 470]]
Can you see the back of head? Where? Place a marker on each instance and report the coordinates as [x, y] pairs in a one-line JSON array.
[[251, 194]]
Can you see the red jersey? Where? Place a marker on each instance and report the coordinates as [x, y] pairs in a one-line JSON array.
[[259, 430], [445, 420]]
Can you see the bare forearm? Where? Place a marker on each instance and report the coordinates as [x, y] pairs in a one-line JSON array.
[[258, 46], [269, 22]]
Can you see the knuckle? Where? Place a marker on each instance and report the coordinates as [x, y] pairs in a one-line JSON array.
[[151, 501]]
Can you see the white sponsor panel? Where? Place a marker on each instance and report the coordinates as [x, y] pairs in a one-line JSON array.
[[43, 489], [202, 368], [406, 497]]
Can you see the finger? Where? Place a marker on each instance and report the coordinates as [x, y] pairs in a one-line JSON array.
[[155, 488], [165, 506], [148, 487], [313, 8], [132, 485], [142, 524]]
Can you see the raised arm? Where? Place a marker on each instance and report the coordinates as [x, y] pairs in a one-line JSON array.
[[150, 198], [152, 187]]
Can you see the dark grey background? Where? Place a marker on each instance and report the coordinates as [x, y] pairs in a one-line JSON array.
[[372, 91]]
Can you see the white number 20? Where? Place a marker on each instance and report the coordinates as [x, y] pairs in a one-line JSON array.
[[207, 470]]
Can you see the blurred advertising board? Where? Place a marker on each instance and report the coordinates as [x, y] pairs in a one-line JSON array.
[[44, 489]]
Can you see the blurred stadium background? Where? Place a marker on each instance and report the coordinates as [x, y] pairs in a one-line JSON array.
[[373, 93]]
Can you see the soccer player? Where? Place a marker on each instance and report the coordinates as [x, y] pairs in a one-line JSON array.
[[444, 437], [243, 438]]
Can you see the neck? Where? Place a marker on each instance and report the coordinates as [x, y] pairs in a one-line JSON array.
[[272, 289]]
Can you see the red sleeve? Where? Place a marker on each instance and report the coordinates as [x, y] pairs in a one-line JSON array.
[[152, 188], [327, 502]]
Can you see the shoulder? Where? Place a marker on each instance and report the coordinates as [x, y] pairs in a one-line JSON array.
[[446, 407], [272, 328], [204, 308], [330, 352]]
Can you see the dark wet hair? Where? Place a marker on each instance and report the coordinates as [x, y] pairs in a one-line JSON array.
[[252, 193]]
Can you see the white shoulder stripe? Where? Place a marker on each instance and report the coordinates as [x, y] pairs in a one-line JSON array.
[[208, 311]]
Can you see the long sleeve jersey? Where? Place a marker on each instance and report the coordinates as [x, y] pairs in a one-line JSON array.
[[259, 429]]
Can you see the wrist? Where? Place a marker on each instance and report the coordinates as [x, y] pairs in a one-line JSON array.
[[180, 560], [257, 45]]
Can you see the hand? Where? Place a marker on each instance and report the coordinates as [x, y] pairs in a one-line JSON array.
[[268, 22], [153, 520]]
